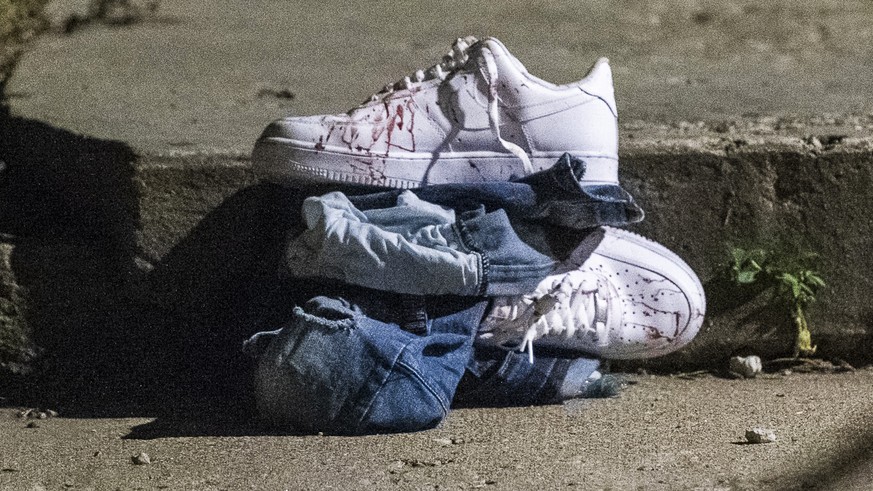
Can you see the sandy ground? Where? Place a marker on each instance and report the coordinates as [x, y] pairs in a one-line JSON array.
[[208, 75], [662, 433]]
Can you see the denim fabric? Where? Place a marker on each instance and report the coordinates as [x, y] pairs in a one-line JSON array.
[[414, 247], [412, 242], [396, 249], [388, 363], [554, 196], [334, 370], [498, 377]]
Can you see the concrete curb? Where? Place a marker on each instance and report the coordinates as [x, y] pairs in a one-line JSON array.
[[708, 193], [101, 241]]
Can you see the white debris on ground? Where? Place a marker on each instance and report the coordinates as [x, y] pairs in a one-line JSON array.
[[141, 459], [36, 413], [747, 366]]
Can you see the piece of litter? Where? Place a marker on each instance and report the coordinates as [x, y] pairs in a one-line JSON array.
[[141, 459], [760, 435], [747, 366]]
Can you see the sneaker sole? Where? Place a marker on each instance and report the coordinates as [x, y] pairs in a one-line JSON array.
[[287, 162]]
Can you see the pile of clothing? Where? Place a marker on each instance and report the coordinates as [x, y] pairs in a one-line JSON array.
[[472, 240]]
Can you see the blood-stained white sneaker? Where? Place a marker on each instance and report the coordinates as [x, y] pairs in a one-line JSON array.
[[476, 116], [618, 296]]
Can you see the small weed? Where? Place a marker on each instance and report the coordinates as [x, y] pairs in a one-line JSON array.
[[20, 22], [112, 13], [793, 278]]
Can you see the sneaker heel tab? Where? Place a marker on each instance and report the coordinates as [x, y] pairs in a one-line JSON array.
[[600, 74], [599, 83]]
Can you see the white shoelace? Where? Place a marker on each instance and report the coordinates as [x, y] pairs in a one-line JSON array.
[[453, 61], [570, 305]]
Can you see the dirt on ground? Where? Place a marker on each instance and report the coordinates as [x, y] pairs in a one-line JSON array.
[[664, 432]]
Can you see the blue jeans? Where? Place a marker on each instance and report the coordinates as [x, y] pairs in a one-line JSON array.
[[554, 196], [392, 360], [459, 239], [334, 369]]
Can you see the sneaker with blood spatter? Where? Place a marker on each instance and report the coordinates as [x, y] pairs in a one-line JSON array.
[[478, 115], [618, 296]]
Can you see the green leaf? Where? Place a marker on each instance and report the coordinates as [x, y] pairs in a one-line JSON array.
[[788, 279], [814, 279], [746, 277], [738, 254]]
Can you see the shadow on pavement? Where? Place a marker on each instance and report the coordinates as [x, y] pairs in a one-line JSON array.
[[214, 289], [115, 339], [68, 205], [849, 468]]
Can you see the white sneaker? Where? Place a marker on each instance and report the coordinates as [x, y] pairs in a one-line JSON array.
[[476, 116], [618, 296]]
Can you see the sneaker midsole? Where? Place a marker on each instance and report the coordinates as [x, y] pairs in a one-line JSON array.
[[278, 161]]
